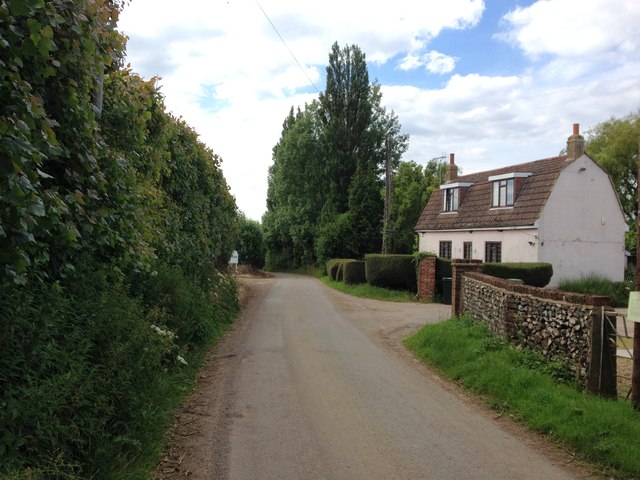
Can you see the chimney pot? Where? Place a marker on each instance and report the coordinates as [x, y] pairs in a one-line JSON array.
[[576, 129], [452, 159]]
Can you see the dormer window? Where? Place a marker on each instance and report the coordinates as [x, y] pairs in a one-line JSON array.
[[453, 195], [451, 199], [503, 193], [504, 188]]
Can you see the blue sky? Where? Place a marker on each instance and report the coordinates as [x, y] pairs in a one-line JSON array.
[[496, 82]]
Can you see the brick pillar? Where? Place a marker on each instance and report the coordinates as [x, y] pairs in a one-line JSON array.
[[427, 277], [458, 268]]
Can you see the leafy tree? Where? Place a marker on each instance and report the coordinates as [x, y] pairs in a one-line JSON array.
[[251, 248], [323, 197], [614, 145], [412, 187]]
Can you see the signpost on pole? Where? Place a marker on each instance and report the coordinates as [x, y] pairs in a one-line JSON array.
[[635, 376]]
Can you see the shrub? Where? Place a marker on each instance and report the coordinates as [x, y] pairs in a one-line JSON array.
[[90, 370], [595, 284], [353, 271], [334, 268], [391, 271], [534, 274]]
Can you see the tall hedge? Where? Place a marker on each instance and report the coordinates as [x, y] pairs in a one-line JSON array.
[[391, 271], [537, 274], [113, 217], [353, 272]]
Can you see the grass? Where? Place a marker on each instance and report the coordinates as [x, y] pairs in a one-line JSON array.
[[365, 290], [595, 284], [534, 392]]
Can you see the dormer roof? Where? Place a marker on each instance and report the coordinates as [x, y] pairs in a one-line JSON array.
[[475, 212]]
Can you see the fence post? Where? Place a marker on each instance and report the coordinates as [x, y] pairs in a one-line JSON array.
[[602, 368]]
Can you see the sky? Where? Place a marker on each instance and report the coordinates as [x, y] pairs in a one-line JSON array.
[[496, 82]]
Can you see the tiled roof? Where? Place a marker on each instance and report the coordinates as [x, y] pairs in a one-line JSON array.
[[475, 209]]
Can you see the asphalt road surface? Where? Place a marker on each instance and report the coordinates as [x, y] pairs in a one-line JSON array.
[[316, 389]]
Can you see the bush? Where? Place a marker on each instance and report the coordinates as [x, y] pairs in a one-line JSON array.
[[334, 268], [353, 271], [534, 274], [391, 271], [91, 372], [595, 284]]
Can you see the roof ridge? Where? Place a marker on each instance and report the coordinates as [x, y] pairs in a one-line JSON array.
[[559, 158]]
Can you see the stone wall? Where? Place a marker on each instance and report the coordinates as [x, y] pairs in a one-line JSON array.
[[557, 324]]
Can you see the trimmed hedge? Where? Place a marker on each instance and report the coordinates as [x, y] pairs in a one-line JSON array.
[[353, 271], [536, 274], [334, 268], [391, 271]]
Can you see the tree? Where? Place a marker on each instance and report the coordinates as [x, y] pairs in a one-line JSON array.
[[251, 248], [412, 187], [614, 145], [324, 197]]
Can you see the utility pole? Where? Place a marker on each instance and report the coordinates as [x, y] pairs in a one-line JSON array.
[[635, 376], [386, 229]]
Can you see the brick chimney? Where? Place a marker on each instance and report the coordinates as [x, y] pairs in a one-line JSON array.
[[452, 169], [575, 143]]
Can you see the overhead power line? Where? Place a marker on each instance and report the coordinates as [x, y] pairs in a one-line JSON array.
[[287, 46]]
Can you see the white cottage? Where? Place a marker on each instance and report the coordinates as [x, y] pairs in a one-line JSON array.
[[561, 210]]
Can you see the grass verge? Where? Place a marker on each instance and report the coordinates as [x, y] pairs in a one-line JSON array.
[[534, 392], [365, 290]]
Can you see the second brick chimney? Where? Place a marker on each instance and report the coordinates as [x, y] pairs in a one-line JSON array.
[[575, 143], [452, 169]]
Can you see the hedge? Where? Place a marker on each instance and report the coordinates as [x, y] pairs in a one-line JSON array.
[[536, 274], [334, 270], [353, 271], [391, 271]]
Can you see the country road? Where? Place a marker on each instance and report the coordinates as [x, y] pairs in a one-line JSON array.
[[313, 384]]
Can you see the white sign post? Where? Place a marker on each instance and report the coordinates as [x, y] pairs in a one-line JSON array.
[[633, 312], [234, 259]]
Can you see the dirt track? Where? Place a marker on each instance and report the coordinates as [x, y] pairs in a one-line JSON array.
[[314, 384]]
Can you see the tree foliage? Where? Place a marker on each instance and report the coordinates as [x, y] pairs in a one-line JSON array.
[[324, 197], [251, 243], [412, 187], [614, 145], [113, 218]]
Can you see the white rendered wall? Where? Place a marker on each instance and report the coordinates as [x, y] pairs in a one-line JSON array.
[[582, 228], [515, 243]]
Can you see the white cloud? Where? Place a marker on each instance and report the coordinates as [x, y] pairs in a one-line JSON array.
[[226, 72], [433, 62], [574, 28]]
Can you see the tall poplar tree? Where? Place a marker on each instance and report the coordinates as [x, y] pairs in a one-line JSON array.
[[324, 185]]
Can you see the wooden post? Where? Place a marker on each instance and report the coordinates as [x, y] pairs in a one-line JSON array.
[[635, 377], [387, 229]]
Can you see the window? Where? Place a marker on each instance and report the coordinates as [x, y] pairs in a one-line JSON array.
[[451, 199], [467, 250], [445, 249], [503, 193], [493, 252]]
